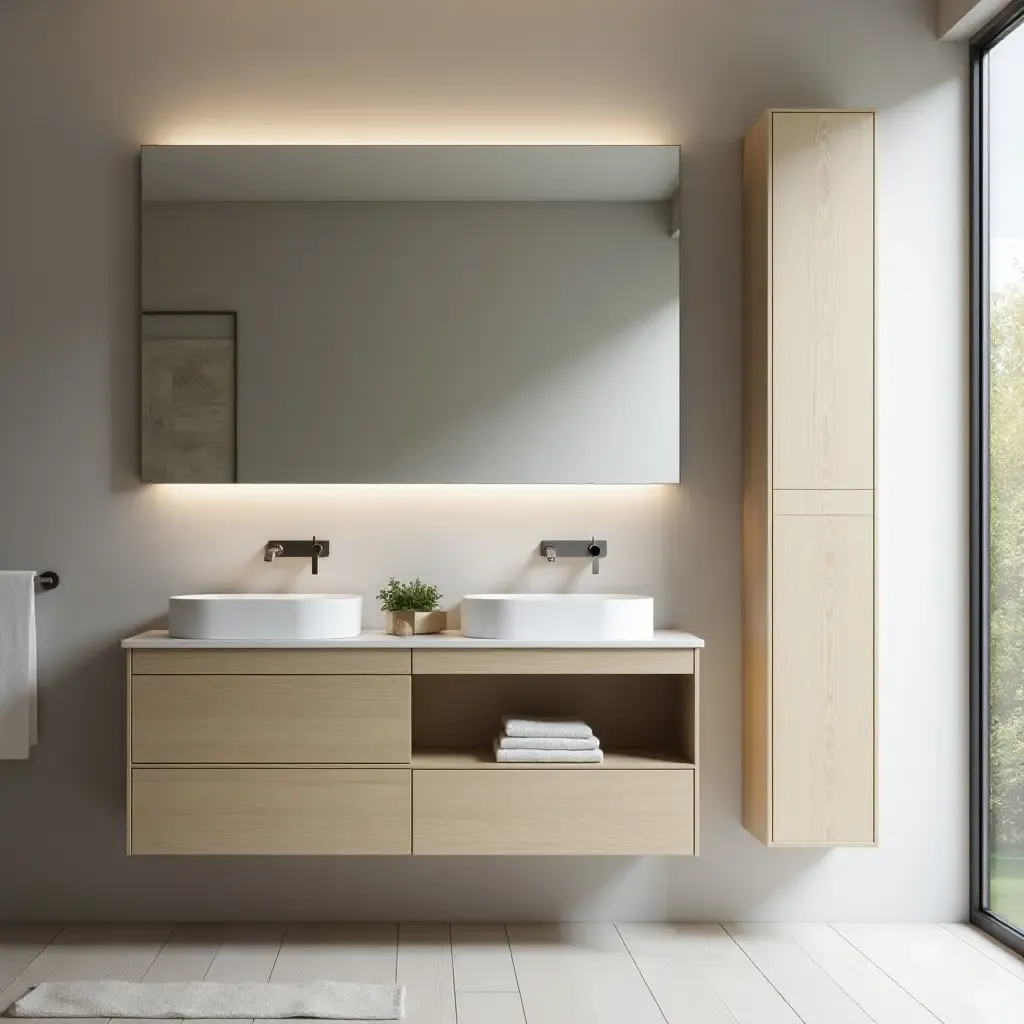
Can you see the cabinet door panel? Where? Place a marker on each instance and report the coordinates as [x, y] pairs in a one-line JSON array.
[[823, 300], [823, 694]]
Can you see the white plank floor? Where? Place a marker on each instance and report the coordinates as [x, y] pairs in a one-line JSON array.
[[567, 973]]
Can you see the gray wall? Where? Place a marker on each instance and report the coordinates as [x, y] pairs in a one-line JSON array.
[[84, 82], [437, 342]]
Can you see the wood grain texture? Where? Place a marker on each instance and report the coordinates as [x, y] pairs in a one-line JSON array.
[[20, 944], [415, 623], [271, 811], [425, 969], [823, 680], [271, 719], [823, 503], [86, 952], [271, 661], [816, 998], [690, 733], [248, 952], [128, 753], [757, 480], [596, 973], [823, 215], [989, 947], [483, 760], [339, 951], [699, 975], [778, 949], [490, 1008], [482, 958], [957, 984], [553, 812], [625, 712], [809, 434], [552, 661], [188, 954], [579, 973]]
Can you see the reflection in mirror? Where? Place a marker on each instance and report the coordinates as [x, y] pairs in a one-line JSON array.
[[410, 314]]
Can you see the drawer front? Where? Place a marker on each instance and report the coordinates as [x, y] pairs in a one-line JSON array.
[[553, 661], [543, 811], [270, 661], [197, 719], [271, 811]]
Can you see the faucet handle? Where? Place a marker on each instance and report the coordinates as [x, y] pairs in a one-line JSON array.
[[313, 549], [593, 549]]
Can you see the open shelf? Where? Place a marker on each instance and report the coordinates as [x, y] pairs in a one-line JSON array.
[[484, 759], [642, 721]]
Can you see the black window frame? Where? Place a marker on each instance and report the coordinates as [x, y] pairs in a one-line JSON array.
[[1010, 20]]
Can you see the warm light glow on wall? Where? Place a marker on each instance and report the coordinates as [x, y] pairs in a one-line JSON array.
[[532, 131], [422, 494]]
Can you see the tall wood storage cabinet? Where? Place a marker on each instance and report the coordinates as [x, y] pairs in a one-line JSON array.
[[809, 469]]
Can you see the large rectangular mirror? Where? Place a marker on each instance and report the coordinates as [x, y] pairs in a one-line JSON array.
[[421, 314]]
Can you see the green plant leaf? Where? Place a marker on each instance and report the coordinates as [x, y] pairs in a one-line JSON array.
[[416, 596]]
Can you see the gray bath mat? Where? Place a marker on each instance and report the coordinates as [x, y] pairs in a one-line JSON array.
[[331, 1000]]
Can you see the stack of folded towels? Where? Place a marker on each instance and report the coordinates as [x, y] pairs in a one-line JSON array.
[[547, 740]]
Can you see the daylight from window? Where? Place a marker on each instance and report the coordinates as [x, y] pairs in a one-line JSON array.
[[1006, 453]]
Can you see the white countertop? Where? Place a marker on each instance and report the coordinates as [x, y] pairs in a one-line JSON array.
[[158, 638]]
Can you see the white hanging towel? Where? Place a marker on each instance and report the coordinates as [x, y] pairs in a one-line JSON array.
[[18, 727]]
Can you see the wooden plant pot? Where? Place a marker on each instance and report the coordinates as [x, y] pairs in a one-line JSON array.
[[412, 623]]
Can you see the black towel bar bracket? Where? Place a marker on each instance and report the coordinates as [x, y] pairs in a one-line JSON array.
[[48, 579]]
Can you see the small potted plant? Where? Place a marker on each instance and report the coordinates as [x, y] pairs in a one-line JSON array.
[[411, 608]]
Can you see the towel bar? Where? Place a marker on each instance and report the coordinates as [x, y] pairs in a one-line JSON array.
[[48, 579]]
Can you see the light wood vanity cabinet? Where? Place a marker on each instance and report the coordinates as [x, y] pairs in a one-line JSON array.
[[388, 751], [274, 719], [809, 467]]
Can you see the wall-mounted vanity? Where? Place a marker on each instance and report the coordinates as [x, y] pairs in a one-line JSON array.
[[381, 745], [410, 314]]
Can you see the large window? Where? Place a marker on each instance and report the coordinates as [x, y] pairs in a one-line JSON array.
[[998, 474]]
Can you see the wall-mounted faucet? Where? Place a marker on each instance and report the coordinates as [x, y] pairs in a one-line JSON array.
[[592, 549], [313, 549]]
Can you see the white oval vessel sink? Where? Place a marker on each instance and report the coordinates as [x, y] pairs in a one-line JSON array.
[[558, 616], [265, 616]]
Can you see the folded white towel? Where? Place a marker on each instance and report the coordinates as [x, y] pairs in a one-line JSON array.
[[535, 756], [546, 743], [551, 728], [17, 664]]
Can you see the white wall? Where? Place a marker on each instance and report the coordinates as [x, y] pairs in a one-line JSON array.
[[84, 82]]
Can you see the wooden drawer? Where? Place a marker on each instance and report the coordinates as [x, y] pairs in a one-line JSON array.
[[270, 661], [270, 719], [271, 811], [546, 811], [552, 661]]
